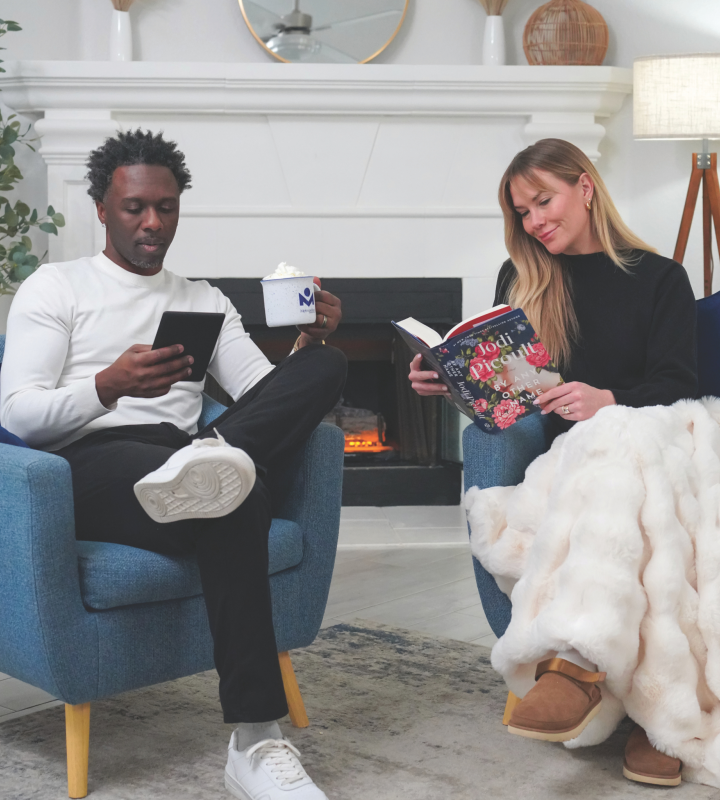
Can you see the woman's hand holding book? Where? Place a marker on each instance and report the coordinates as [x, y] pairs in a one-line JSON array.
[[424, 382]]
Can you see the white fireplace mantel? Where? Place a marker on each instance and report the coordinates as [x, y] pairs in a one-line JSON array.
[[357, 170], [552, 101], [314, 88]]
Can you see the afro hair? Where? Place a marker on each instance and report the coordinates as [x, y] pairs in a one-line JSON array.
[[133, 147]]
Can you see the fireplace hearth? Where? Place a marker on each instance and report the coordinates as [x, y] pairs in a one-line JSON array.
[[400, 449]]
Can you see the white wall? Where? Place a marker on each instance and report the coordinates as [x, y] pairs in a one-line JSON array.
[[435, 31], [647, 179]]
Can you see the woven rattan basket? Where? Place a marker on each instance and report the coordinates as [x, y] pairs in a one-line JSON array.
[[566, 32]]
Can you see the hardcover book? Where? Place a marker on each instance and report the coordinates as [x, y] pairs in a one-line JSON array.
[[494, 365]]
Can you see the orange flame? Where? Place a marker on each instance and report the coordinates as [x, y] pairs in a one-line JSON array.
[[365, 442]]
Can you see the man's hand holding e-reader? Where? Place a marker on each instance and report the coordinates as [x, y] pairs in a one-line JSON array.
[[182, 350]]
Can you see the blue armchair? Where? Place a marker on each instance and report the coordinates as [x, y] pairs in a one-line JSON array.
[[85, 620]]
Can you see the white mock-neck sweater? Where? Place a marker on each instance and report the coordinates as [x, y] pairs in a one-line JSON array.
[[71, 320]]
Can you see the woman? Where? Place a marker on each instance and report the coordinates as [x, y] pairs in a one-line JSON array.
[[620, 322]]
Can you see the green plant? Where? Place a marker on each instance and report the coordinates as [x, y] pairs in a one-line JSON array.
[[17, 261]]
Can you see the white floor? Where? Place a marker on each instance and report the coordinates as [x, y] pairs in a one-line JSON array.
[[407, 566]]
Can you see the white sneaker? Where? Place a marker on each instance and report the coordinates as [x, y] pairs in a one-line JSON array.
[[268, 770], [208, 478]]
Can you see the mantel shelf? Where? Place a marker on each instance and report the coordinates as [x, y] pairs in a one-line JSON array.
[[356, 89]]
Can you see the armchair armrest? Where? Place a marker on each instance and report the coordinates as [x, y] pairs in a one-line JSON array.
[[46, 636], [501, 460], [308, 491]]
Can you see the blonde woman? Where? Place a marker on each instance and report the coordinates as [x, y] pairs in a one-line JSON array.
[[619, 319]]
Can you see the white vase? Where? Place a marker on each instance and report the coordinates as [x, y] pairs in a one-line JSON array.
[[494, 42], [120, 36]]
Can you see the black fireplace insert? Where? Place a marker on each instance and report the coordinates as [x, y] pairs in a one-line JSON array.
[[400, 449]]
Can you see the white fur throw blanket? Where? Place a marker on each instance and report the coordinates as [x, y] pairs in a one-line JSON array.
[[611, 547]]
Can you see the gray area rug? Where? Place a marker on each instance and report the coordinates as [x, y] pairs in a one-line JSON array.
[[393, 714]]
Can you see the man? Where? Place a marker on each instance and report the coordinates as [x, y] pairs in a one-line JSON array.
[[80, 379]]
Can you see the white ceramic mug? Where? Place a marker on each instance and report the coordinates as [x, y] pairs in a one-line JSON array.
[[289, 301]]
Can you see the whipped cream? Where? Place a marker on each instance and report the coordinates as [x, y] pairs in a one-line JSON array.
[[284, 270]]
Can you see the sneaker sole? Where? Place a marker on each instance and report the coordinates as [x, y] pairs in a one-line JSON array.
[[202, 489], [235, 789], [655, 781], [557, 736]]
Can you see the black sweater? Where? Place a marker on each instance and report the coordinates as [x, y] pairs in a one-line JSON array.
[[637, 330]]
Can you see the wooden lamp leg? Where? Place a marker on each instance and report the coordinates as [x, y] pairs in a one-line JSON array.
[[708, 176], [712, 188], [298, 717], [707, 238], [77, 736], [512, 702], [688, 212]]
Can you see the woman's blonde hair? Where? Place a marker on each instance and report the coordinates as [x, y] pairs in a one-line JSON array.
[[540, 288]]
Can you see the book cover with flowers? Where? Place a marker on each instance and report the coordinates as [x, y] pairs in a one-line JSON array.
[[494, 371]]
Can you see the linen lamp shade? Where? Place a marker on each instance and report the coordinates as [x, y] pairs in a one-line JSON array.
[[677, 97]]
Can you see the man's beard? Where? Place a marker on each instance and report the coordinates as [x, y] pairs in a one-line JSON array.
[[136, 262]]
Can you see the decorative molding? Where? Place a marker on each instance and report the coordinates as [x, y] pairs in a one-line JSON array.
[[553, 101], [347, 212], [69, 135], [397, 90]]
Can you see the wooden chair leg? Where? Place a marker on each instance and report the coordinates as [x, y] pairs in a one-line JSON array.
[[77, 736], [512, 702], [298, 717]]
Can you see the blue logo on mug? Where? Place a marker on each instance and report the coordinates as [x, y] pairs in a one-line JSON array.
[[308, 300]]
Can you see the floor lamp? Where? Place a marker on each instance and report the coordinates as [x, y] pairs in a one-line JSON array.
[[678, 97]]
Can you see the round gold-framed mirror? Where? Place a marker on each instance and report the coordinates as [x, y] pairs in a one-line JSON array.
[[324, 31]]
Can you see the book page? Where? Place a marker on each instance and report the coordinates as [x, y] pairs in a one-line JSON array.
[[426, 335], [476, 319]]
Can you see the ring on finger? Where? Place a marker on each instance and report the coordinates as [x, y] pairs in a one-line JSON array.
[[566, 409], [324, 322]]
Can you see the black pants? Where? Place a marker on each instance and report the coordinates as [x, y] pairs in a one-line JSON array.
[[269, 421]]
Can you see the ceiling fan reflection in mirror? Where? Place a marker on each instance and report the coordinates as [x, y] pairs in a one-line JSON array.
[[324, 31], [293, 40]]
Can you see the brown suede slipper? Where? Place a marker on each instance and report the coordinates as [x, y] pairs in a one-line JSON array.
[[645, 764], [560, 705]]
